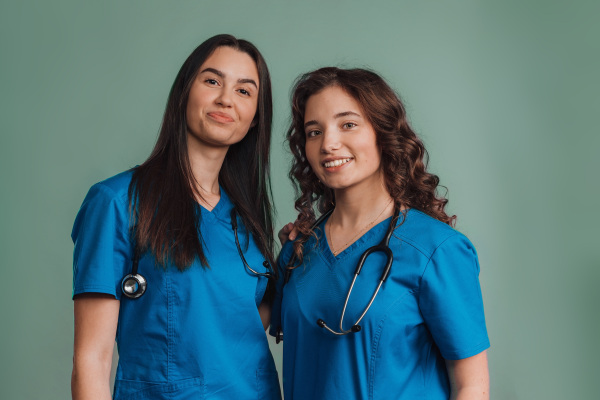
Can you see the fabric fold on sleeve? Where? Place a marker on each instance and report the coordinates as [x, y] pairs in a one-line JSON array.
[[102, 255], [451, 302]]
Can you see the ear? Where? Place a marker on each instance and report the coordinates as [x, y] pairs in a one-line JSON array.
[[254, 122]]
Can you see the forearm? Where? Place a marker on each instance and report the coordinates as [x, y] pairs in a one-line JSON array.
[[471, 393], [469, 378], [96, 319], [90, 379]]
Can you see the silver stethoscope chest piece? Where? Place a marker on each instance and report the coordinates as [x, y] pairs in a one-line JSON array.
[[133, 285]]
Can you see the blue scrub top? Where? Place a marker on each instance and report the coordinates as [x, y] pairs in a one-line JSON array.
[[195, 334], [429, 309]]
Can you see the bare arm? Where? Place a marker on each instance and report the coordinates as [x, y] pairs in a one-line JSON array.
[[469, 378], [96, 317]]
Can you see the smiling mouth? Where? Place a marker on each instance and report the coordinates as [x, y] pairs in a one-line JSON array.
[[336, 163]]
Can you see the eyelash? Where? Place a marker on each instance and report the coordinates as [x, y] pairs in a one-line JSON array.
[[213, 82], [346, 125]]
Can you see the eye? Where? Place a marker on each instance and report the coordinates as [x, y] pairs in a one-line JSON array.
[[211, 81], [349, 125], [313, 133], [244, 92]]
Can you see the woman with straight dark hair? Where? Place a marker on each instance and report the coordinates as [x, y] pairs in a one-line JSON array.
[[173, 257], [411, 325]]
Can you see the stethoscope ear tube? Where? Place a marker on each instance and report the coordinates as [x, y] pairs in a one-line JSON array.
[[134, 285], [270, 274]]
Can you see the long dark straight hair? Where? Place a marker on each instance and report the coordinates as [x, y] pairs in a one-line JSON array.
[[166, 216]]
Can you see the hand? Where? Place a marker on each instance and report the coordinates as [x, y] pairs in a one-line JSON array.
[[288, 232]]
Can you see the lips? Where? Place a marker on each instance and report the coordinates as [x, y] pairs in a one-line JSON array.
[[220, 117]]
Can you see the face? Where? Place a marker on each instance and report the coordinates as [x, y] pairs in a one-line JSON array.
[[341, 144], [223, 99]]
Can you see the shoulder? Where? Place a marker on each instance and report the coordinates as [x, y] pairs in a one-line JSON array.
[[105, 209], [113, 189], [116, 186], [106, 200], [427, 234]]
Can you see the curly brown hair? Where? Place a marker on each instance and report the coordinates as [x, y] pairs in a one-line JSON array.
[[403, 155]]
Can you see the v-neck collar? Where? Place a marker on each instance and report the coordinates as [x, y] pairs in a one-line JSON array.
[[326, 252], [222, 209]]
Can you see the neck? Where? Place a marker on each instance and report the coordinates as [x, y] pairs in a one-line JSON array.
[[206, 163], [359, 205]]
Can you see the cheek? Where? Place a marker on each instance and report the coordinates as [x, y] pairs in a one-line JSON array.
[[191, 110], [248, 112], [312, 156]]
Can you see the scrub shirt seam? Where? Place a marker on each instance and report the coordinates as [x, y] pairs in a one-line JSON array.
[[377, 337], [374, 350], [432, 254], [111, 192], [122, 198]]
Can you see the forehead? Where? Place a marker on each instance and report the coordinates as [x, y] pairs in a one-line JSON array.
[[330, 101], [232, 63]]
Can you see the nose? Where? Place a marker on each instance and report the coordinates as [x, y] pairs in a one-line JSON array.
[[224, 98], [330, 142]]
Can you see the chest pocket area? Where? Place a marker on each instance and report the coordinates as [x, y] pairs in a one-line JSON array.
[[186, 389]]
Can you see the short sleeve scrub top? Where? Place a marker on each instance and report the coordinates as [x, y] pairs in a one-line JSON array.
[[194, 334], [429, 309]]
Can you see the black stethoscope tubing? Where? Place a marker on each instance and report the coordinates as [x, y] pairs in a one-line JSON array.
[[134, 285], [383, 247]]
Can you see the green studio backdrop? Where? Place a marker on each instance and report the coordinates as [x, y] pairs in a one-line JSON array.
[[504, 94]]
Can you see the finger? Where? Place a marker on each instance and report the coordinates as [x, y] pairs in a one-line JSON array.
[[283, 234], [294, 233]]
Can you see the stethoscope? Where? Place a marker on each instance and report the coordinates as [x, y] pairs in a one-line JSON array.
[[134, 284], [383, 247]]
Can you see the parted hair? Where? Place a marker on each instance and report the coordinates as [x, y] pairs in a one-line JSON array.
[[403, 155], [162, 193]]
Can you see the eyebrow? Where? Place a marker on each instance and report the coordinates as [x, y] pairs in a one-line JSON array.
[[222, 75], [336, 116]]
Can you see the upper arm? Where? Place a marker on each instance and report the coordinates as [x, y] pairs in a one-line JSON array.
[[103, 250], [469, 377], [450, 300]]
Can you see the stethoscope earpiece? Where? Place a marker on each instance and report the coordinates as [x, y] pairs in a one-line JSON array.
[[133, 285]]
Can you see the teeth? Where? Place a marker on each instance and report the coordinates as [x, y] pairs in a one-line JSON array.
[[336, 163]]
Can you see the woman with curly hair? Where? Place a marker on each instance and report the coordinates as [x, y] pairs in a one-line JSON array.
[[411, 325]]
